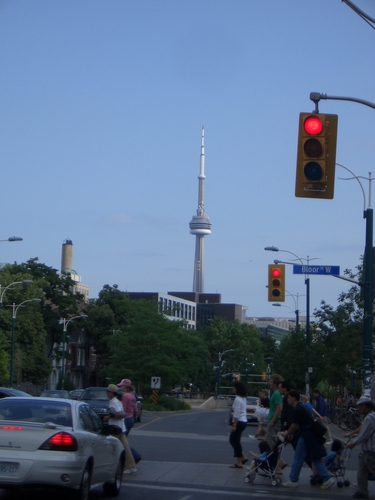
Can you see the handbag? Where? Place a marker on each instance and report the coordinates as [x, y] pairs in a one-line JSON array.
[[318, 428]]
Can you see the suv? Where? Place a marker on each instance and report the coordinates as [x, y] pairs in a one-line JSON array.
[[96, 398]]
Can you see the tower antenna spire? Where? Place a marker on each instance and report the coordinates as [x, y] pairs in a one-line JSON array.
[[200, 226]]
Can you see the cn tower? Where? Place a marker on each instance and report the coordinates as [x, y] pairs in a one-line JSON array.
[[200, 225]]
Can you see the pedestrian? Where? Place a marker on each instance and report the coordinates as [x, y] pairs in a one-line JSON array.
[[286, 410], [274, 415], [116, 417], [366, 438], [239, 423], [309, 445], [129, 403], [321, 409], [262, 414]]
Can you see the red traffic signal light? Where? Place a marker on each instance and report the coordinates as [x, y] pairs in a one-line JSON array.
[[316, 155], [276, 283]]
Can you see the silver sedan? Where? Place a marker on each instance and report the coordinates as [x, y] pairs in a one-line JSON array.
[[57, 443]]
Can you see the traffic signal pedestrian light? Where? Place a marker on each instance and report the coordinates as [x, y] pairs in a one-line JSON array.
[[276, 283], [316, 155]]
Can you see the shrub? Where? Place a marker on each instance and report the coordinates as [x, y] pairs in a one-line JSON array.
[[165, 404]]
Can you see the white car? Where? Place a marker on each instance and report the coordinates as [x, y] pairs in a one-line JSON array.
[[57, 443]]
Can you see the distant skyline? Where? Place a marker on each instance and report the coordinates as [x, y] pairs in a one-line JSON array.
[[102, 105]]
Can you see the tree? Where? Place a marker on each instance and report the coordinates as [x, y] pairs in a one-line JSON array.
[[244, 339], [133, 339]]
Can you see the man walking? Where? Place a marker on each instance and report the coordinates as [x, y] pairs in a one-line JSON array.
[[274, 415], [308, 445], [366, 438]]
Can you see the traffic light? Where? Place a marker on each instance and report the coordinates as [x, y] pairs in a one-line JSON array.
[[276, 283], [316, 155]]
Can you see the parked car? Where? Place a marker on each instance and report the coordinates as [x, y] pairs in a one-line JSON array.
[[6, 392], [76, 393], [96, 398], [251, 406], [55, 394], [57, 443]]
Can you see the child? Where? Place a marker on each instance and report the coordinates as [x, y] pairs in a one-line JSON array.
[[329, 459], [265, 450]]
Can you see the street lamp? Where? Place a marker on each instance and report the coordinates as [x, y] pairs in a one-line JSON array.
[[24, 282], [14, 315], [13, 238], [307, 283], [218, 383], [65, 322], [296, 312]]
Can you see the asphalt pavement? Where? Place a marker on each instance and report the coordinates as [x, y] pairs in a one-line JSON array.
[[190, 476]]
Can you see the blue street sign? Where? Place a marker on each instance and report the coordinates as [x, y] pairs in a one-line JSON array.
[[309, 269]]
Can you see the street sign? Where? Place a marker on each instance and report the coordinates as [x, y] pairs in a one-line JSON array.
[[155, 382], [308, 269]]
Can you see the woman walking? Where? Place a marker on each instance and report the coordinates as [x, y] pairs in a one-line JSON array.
[[239, 423], [129, 403]]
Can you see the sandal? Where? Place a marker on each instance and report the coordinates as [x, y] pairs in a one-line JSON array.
[[235, 466]]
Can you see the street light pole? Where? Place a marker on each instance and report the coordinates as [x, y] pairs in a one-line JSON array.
[[14, 315], [65, 322], [218, 381], [13, 238], [24, 282], [308, 335]]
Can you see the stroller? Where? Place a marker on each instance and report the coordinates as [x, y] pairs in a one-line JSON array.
[[336, 463], [267, 467]]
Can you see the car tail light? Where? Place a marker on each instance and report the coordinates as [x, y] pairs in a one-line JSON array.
[[11, 428], [62, 441]]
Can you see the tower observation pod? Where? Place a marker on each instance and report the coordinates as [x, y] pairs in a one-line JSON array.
[[200, 226]]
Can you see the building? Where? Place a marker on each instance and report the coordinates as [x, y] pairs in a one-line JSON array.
[[173, 308]]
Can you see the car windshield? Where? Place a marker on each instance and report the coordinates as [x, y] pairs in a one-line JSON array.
[[36, 410], [94, 394], [250, 400]]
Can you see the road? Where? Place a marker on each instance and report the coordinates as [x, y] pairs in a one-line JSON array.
[[186, 456]]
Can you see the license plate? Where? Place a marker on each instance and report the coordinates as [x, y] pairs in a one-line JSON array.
[[8, 468]]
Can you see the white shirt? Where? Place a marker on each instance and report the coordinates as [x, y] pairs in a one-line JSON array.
[[115, 405], [239, 409]]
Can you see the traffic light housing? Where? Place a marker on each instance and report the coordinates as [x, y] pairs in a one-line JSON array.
[[316, 155], [276, 283]]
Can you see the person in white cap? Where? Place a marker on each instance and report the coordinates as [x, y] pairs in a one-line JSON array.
[[116, 417], [366, 438]]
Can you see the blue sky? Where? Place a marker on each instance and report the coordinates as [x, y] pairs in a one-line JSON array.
[[102, 104]]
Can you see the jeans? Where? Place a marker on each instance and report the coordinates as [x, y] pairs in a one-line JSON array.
[[129, 422], [299, 458]]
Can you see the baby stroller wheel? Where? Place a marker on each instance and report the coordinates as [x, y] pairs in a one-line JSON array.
[[340, 484], [246, 479], [278, 480], [274, 482], [346, 483]]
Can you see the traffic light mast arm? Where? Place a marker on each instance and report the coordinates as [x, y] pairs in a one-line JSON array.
[[316, 97]]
